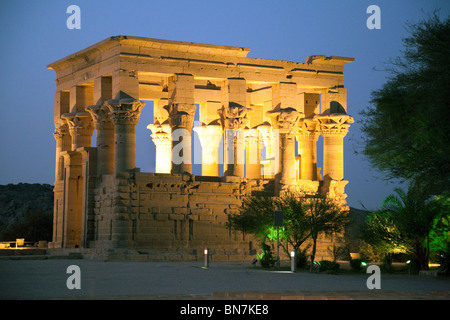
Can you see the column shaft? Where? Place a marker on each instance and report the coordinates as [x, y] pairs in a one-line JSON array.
[[234, 120], [125, 115], [333, 157], [287, 158], [162, 138], [210, 137], [253, 165], [333, 128], [181, 118]]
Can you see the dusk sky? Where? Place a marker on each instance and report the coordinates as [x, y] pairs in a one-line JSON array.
[[34, 34]]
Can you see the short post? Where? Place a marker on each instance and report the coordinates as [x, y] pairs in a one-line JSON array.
[[293, 264], [278, 222], [206, 266]]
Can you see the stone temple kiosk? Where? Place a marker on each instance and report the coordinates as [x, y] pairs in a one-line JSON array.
[[266, 115]]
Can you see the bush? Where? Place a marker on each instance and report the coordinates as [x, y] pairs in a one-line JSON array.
[[266, 256], [444, 261], [357, 265], [328, 266], [302, 258]]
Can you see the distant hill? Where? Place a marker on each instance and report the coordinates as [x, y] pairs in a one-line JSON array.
[[26, 211]]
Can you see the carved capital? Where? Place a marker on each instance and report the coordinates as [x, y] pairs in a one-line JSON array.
[[285, 119], [181, 115], [101, 116], [160, 133], [61, 131], [125, 111], [181, 119], [80, 124], [234, 116], [334, 124], [307, 129]]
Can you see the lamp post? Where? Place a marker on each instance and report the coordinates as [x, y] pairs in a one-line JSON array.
[[278, 222]]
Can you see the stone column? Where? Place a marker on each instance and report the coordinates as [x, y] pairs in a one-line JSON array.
[[210, 137], [162, 138], [181, 118], [285, 120], [253, 165], [81, 128], [72, 222], [125, 116], [105, 138], [333, 128], [63, 143], [270, 141], [234, 119], [307, 136]]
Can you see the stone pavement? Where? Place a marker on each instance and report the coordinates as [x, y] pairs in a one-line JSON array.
[[46, 279]]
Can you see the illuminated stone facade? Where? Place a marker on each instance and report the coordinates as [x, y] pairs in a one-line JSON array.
[[266, 115]]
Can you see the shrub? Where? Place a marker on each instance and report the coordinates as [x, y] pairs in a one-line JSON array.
[[266, 256], [328, 266], [302, 258], [357, 265], [444, 261]]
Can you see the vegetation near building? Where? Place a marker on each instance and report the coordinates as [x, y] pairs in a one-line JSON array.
[[305, 218], [406, 137]]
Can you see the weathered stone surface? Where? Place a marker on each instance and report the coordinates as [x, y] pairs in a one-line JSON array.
[[256, 108]]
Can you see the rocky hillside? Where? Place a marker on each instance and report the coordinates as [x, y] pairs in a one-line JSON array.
[[26, 210]]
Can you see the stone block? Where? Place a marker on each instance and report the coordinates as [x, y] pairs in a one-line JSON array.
[[200, 211], [174, 216], [180, 210], [161, 216]]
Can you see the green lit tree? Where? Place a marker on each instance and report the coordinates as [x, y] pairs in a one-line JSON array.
[[406, 223], [304, 218]]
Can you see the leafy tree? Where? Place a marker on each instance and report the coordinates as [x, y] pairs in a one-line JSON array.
[[295, 222], [304, 217], [406, 127], [255, 216], [323, 216], [405, 223]]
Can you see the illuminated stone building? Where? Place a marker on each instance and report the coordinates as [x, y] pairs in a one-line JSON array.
[[263, 116]]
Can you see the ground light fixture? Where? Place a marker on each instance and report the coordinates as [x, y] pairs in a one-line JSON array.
[[206, 265], [293, 266]]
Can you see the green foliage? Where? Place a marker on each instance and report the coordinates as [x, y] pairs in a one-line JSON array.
[[328, 266], [406, 127], [444, 260], [255, 217], [357, 265], [408, 222], [302, 257], [266, 257], [304, 217]]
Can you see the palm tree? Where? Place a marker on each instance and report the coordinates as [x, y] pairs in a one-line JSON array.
[[406, 220]]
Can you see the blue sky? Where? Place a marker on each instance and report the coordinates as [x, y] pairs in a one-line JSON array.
[[34, 34]]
